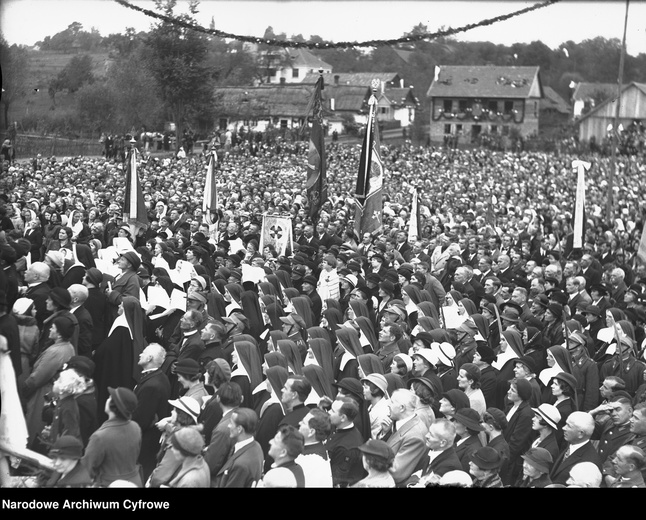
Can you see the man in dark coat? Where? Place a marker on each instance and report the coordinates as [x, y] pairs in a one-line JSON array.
[[244, 466], [96, 305], [153, 393], [577, 432], [38, 290], [79, 294], [343, 445]]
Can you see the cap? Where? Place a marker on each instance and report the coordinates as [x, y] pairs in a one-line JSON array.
[[486, 458], [539, 458], [124, 399], [187, 367], [378, 448], [188, 440]]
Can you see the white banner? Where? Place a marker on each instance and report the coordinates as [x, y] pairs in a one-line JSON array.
[[277, 231]]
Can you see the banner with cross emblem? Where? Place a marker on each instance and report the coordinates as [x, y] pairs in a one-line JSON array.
[[277, 232]]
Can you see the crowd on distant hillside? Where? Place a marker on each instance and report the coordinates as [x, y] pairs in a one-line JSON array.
[[487, 350]]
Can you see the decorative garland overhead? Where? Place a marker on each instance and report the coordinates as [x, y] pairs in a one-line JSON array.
[[326, 45]]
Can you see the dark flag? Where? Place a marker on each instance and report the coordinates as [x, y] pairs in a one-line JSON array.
[[316, 183], [371, 175], [134, 207]]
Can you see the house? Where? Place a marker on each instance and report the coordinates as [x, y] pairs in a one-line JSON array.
[[468, 100], [292, 65], [553, 102], [632, 108], [348, 93], [586, 95], [555, 113], [257, 108]]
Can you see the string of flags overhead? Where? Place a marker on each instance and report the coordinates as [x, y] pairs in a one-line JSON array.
[[190, 24]]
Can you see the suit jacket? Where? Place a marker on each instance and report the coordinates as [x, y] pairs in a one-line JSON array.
[[345, 457], [409, 447], [466, 449], [562, 466], [127, 284], [84, 346], [446, 461], [218, 450], [39, 294], [242, 468]]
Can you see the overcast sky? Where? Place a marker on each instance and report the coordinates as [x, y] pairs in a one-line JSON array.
[[28, 21]]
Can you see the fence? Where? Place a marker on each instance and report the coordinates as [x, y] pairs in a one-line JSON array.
[[28, 146]]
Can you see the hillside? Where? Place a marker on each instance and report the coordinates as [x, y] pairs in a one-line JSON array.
[[43, 67]]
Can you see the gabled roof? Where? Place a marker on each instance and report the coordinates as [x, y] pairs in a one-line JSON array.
[[552, 101], [264, 101], [400, 96], [584, 91], [406, 56], [360, 79], [304, 58], [639, 86], [349, 98], [488, 81]]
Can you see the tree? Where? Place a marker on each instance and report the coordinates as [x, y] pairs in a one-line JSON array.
[[176, 57], [15, 68], [76, 73]]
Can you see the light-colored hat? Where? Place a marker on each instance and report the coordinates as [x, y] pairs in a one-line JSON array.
[[549, 413], [188, 405], [379, 381], [445, 352]]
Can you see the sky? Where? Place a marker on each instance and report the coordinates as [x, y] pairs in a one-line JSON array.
[[27, 21]]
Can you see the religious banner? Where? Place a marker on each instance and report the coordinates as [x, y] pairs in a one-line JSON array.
[[277, 231]]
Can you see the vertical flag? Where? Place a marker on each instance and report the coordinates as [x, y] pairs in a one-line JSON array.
[[371, 175], [277, 231], [316, 183], [579, 207], [414, 226], [210, 200], [134, 207]]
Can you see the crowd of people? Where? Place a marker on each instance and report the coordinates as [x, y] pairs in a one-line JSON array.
[[484, 350]]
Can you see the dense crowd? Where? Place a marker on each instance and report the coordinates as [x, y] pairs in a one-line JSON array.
[[485, 350]]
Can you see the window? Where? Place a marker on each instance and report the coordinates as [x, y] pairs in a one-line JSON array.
[[463, 105], [493, 106], [509, 106], [494, 129], [448, 105], [447, 129], [458, 128], [535, 108], [283, 123], [383, 110], [505, 130], [295, 73]]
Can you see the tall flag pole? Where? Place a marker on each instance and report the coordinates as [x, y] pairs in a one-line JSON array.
[[371, 174], [316, 183], [414, 225], [210, 200], [579, 206], [134, 207]]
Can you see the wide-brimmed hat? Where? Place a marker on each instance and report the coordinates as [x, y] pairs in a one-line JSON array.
[[567, 378], [542, 300], [68, 447], [379, 381], [445, 352], [549, 413], [188, 405], [486, 458], [591, 309], [387, 286], [352, 385], [539, 458], [470, 418], [124, 399]]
